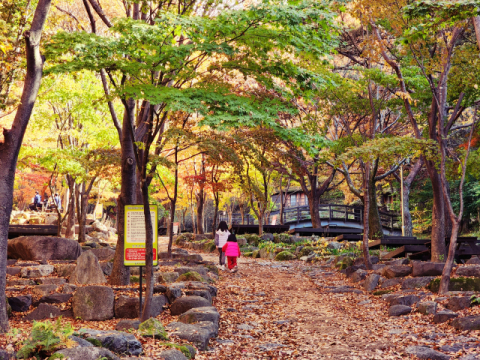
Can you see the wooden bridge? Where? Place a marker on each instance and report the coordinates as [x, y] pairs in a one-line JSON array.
[[343, 218]]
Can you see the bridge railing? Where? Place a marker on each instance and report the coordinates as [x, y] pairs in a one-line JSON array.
[[330, 212]]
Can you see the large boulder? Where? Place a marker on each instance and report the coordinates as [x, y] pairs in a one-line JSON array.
[[43, 248], [116, 341], [359, 275], [55, 299], [172, 355], [427, 268], [88, 270], [198, 334], [474, 260], [186, 303], [417, 282], [20, 303], [126, 307], [43, 312], [467, 323], [93, 303], [427, 307], [196, 315], [456, 303], [424, 352], [85, 353], [470, 270], [393, 271], [104, 254], [399, 310], [444, 316], [152, 328], [37, 271], [174, 291], [407, 300], [371, 282], [43, 290]]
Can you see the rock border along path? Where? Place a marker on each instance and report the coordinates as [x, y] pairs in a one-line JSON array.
[[291, 310]]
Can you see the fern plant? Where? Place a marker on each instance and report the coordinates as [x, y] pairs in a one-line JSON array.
[[45, 338]]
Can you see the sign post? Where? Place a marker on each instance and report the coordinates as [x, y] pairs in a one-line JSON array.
[[135, 238]]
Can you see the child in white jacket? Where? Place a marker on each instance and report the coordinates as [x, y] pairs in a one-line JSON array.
[[221, 237]]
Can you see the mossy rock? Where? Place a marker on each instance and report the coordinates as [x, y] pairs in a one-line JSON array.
[[190, 276], [382, 292], [187, 350], [282, 238], [94, 342], [183, 238], [344, 262], [152, 328], [457, 284], [248, 254], [307, 250], [209, 246], [256, 254], [212, 268], [253, 239], [285, 255]]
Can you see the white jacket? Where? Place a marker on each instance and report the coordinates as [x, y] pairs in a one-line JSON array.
[[222, 237]]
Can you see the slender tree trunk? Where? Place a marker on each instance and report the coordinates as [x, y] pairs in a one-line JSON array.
[[147, 307], [121, 273], [260, 223], [173, 203], [242, 213], [366, 213], [215, 213], [200, 205], [374, 221], [476, 23], [447, 270], [70, 224], [438, 214], [13, 138]]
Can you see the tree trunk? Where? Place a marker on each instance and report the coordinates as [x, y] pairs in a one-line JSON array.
[[438, 214], [215, 213], [121, 273], [147, 307], [173, 204], [374, 222], [242, 212], [260, 223], [366, 215], [313, 203], [13, 138], [200, 205], [447, 270], [70, 224]]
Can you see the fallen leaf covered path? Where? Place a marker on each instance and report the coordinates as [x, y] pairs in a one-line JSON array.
[[281, 310]]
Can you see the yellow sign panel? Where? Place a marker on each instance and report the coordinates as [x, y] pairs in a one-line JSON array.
[[135, 235]]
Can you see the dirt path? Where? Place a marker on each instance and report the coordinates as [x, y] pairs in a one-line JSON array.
[[279, 311], [290, 310]]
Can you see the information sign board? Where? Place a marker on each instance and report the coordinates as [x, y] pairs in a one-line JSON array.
[[176, 227], [135, 235]]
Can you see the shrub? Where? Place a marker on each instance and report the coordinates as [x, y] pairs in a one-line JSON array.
[[46, 338], [282, 238]]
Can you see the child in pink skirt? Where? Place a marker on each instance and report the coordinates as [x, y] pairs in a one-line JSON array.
[[232, 251]]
